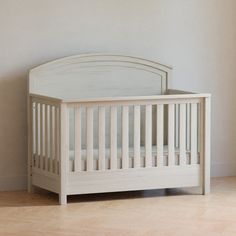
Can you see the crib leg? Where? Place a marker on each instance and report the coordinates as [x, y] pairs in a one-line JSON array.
[[206, 186], [30, 186], [207, 124], [206, 190], [62, 199]]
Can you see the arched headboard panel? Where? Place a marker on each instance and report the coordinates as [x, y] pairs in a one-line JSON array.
[[98, 75]]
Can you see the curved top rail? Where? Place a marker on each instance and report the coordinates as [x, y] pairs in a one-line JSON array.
[[99, 75]]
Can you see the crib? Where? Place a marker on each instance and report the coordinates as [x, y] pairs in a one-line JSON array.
[[107, 123]]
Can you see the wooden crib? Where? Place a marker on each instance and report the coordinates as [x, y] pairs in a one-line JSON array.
[[106, 123]]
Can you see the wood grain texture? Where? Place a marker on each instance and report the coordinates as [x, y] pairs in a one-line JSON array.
[[102, 138], [97, 75], [99, 83]]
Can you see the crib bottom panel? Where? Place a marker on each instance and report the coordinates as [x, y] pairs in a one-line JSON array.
[[44, 181], [133, 179]]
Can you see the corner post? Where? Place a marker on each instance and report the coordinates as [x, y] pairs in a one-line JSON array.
[[64, 150], [29, 140], [207, 145]]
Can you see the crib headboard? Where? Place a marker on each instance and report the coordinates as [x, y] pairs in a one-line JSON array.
[[99, 75]]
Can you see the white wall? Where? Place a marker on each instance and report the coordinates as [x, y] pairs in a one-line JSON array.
[[197, 37]]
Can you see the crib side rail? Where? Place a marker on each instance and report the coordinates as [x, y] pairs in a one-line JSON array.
[[44, 135], [186, 117]]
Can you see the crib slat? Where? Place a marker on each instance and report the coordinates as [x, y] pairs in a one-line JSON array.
[[171, 133], [41, 136], [51, 140], [36, 135], [188, 110], [113, 158], [56, 140], [194, 133], [89, 138], [46, 137], [77, 164], [148, 136], [136, 136], [182, 141], [160, 130], [177, 125], [125, 137], [102, 135]]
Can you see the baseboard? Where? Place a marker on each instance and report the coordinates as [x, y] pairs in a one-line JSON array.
[[223, 169], [11, 183]]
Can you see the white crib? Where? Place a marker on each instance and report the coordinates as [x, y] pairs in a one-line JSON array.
[[106, 123]]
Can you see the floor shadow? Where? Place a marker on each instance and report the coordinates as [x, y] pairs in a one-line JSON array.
[[45, 198], [131, 195]]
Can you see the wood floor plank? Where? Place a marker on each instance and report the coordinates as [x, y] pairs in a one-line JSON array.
[[155, 212]]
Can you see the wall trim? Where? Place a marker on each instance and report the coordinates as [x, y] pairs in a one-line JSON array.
[[11, 183]]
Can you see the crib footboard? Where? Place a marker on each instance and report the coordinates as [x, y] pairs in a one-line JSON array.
[[44, 143]]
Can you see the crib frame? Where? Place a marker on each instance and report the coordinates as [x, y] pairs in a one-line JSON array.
[[49, 163]]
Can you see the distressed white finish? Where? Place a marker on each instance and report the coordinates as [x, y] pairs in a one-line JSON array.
[[125, 137], [182, 139], [148, 135], [171, 135], [77, 162], [113, 135], [99, 166], [106, 76], [136, 136], [89, 138], [193, 138], [102, 138], [160, 134]]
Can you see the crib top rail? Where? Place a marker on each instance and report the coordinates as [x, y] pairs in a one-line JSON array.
[[170, 96]]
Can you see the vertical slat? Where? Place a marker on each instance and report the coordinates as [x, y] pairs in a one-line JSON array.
[[148, 136], [89, 138], [102, 136], [113, 158], [171, 134], [182, 144], [51, 140], [194, 133], [46, 137], [177, 125], [136, 136], [77, 139], [33, 133], [36, 135], [125, 137], [56, 143], [41, 136], [188, 134], [160, 134], [199, 128]]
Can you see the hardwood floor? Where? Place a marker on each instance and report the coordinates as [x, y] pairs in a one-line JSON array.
[[157, 212]]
